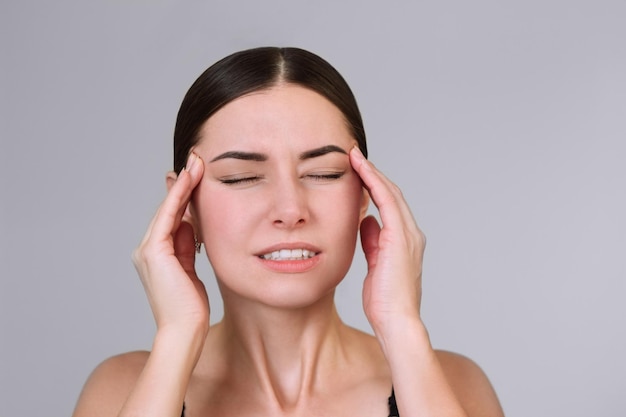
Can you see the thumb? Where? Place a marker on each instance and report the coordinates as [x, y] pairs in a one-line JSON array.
[[370, 231]]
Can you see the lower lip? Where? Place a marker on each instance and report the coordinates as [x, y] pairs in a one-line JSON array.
[[291, 267]]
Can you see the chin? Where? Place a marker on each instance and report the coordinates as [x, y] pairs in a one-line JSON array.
[[282, 291]]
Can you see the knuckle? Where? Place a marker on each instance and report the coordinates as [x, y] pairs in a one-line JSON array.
[[388, 199], [137, 256], [142, 253], [396, 190]]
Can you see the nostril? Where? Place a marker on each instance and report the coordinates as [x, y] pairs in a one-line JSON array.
[[284, 223]]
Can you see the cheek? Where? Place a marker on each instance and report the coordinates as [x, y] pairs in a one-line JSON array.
[[346, 208], [355, 197], [343, 212], [219, 217]]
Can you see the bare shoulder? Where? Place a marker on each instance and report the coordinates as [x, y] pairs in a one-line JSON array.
[[470, 384], [109, 384]]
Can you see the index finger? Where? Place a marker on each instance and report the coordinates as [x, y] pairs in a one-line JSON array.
[[393, 209], [171, 211]]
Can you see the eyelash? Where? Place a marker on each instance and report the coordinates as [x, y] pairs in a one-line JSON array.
[[236, 181], [250, 180], [326, 177]]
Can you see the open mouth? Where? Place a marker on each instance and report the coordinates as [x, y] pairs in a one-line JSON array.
[[288, 255]]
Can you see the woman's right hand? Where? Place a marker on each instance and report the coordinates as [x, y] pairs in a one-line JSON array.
[[165, 260]]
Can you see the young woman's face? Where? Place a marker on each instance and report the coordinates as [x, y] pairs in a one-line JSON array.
[[279, 205]]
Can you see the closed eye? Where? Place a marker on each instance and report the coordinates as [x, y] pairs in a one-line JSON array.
[[325, 176], [240, 180]]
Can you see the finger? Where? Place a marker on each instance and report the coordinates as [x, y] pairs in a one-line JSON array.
[[394, 211], [171, 211], [370, 231], [160, 214]]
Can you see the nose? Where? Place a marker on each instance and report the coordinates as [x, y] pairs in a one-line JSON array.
[[290, 206]]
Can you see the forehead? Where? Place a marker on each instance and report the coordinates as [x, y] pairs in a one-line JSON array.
[[282, 115]]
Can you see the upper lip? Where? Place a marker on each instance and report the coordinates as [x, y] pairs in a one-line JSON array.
[[289, 245]]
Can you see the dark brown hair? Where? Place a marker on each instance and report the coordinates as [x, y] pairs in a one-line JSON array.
[[253, 70]]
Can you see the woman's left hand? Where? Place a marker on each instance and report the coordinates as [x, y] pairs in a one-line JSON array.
[[423, 385], [394, 253]]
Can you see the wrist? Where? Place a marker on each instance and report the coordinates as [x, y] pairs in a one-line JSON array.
[[401, 334], [161, 387], [182, 346], [189, 328]]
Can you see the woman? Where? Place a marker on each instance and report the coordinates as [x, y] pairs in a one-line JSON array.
[[270, 174]]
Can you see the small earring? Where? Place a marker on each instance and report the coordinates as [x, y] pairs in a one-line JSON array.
[[196, 243]]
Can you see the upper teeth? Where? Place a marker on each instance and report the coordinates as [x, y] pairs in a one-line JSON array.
[[289, 254]]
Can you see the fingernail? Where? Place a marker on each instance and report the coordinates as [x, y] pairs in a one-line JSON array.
[[358, 152], [359, 155], [191, 161]]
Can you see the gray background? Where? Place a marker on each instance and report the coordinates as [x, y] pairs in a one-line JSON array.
[[503, 122]]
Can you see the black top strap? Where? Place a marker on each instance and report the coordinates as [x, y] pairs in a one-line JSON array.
[[393, 408]]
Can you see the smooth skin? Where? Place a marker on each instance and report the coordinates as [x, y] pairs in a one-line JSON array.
[[281, 349]]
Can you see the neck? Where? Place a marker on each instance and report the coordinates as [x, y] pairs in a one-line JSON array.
[[286, 352]]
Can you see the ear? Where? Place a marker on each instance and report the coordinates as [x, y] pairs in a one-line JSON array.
[[170, 179], [365, 203]]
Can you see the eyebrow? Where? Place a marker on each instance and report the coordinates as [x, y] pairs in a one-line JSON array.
[[260, 157], [245, 156], [314, 153]]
